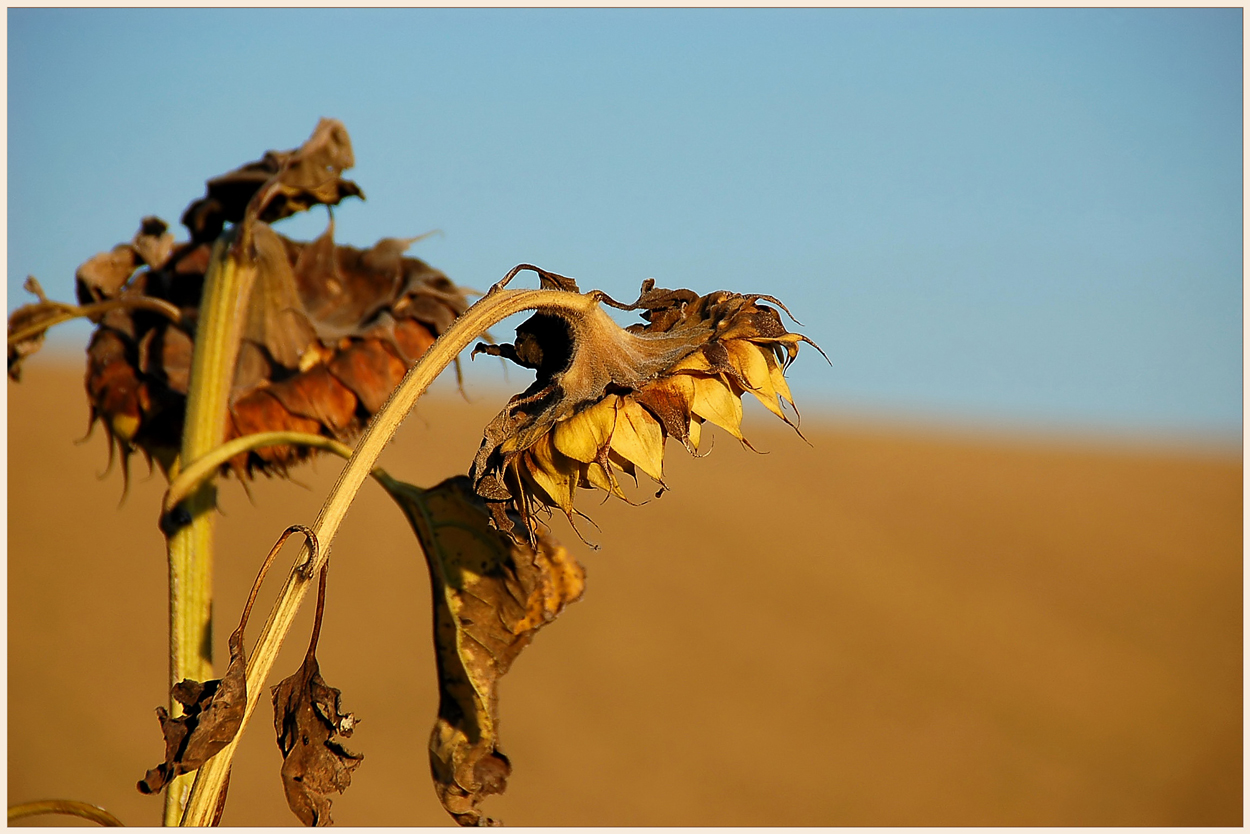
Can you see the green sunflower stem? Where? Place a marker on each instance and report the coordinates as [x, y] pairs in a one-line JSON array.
[[497, 305], [227, 286]]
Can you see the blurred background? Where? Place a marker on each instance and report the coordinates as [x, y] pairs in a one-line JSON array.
[[1002, 585], [1011, 215]]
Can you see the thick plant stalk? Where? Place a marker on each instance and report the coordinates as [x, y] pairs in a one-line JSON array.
[[497, 305], [227, 286]]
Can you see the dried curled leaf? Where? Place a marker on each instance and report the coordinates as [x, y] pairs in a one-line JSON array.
[[28, 324], [491, 596], [331, 329], [212, 717], [307, 717], [606, 398]]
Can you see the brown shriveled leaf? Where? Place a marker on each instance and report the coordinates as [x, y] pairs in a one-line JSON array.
[[307, 717], [491, 596], [212, 717], [331, 329], [606, 398]]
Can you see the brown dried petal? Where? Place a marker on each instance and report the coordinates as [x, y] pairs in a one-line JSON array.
[[165, 354], [370, 370], [305, 177], [153, 243], [317, 395], [491, 596], [261, 411], [103, 275], [411, 339], [113, 386]]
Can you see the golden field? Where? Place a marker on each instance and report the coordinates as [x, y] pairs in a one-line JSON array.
[[889, 626]]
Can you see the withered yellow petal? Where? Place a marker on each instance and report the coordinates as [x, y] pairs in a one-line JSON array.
[[715, 402], [749, 361], [638, 438], [622, 464], [778, 378], [556, 477], [584, 434], [696, 361], [694, 433], [602, 479]]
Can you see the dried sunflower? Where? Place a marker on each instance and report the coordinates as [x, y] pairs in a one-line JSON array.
[[606, 398], [331, 329]]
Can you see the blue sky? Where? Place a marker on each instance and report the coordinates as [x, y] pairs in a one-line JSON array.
[[1025, 217]]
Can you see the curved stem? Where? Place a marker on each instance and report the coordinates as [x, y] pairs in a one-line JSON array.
[[68, 807], [497, 305], [202, 467]]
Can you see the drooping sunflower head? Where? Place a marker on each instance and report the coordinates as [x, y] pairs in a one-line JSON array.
[[330, 330], [607, 398]]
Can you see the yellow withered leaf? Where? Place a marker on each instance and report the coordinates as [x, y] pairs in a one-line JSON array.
[[637, 438], [713, 401], [491, 596]]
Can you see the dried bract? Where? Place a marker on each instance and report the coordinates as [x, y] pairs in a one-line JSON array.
[[28, 324], [606, 398], [491, 596]]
